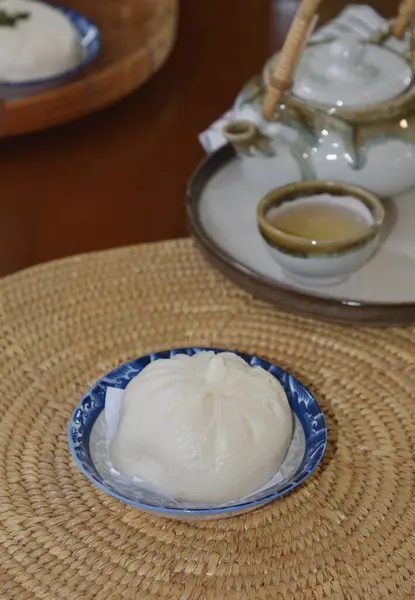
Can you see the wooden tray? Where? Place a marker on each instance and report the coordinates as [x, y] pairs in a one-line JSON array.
[[221, 209], [137, 37]]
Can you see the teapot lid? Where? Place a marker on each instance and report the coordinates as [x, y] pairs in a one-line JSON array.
[[351, 74]]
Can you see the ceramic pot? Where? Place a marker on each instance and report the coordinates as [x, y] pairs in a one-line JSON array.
[[349, 117]]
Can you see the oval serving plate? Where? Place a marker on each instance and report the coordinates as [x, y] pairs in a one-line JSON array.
[[221, 213], [308, 415]]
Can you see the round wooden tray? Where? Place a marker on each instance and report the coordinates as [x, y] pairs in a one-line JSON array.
[[137, 37]]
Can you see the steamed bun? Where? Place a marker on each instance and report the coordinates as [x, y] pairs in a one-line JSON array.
[[204, 428], [44, 44]]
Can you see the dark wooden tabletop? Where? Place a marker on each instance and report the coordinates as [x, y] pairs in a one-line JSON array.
[[119, 177]]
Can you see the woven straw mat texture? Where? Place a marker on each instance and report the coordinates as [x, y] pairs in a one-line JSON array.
[[347, 533]]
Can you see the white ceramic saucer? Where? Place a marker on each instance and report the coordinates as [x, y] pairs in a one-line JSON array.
[[222, 218]]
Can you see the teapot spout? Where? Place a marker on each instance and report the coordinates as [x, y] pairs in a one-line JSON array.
[[247, 139]]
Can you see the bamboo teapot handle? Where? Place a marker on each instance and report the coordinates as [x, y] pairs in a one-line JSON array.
[[406, 14], [281, 79]]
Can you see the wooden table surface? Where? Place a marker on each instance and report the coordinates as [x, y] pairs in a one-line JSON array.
[[119, 177]]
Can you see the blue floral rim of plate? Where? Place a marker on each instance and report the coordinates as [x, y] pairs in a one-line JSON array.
[[302, 403], [90, 40]]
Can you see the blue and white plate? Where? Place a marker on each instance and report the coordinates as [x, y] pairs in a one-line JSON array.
[[306, 450], [90, 46]]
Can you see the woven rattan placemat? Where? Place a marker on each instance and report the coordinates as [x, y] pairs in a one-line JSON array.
[[347, 533]]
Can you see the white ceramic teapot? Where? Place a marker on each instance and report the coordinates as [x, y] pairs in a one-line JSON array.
[[349, 116]]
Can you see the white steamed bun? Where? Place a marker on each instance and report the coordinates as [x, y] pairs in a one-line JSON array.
[[43, 45], [204, 428]]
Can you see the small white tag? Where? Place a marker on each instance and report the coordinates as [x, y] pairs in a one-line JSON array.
[[112, 411]]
